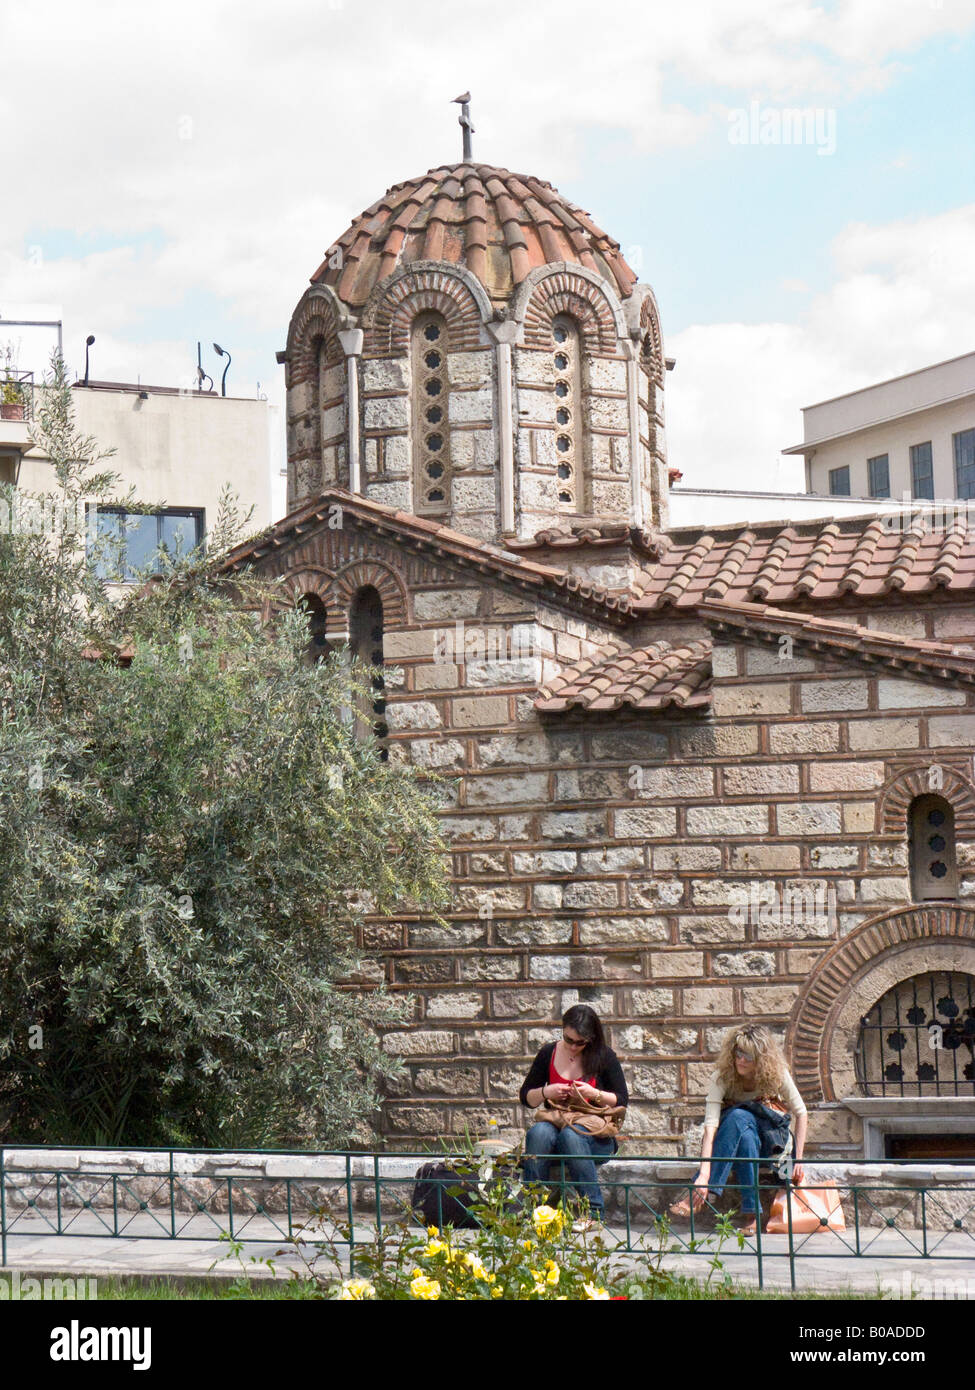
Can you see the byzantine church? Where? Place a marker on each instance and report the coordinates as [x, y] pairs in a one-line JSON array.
[[691, 776]]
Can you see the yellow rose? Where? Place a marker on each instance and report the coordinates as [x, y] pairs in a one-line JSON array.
[[475, 1266], [433, 1231], [528, 1245], [353, 1289], [436, 1247], [592, 1291], [422, 1287], [547, 1221], [497, 1293], [552, 1277]]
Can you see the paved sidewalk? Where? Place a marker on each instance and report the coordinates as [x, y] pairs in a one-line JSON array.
[[824, 1262]]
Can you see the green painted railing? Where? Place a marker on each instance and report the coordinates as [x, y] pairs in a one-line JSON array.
[[39, 1200]]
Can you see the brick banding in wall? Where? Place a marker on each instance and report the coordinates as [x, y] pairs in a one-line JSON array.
[[653, 345], [810, 1030], [913, 782], [570, 294]]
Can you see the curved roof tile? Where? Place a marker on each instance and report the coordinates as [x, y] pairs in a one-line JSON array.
[[500, 225]]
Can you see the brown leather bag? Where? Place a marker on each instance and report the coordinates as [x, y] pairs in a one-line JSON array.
[[596, 1121]]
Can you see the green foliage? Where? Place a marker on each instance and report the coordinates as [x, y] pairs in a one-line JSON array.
[[185, 846]]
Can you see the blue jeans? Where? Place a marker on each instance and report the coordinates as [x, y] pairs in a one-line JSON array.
[[736, 1137], [581, 1157]]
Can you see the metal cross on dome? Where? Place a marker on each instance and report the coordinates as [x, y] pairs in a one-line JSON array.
[[464, 121]]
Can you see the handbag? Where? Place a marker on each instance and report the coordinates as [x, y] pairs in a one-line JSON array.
[[575, 1112], [814, 1209]]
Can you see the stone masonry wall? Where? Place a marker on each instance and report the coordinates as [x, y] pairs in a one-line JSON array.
[[611, 860]]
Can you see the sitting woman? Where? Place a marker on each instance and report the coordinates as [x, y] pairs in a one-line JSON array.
[[750, 1069], [579, 1061]]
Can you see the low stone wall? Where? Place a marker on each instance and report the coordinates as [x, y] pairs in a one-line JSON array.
[[129, 1180]]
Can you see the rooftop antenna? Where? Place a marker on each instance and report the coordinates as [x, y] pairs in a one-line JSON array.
[[201, 375], [464, 121]]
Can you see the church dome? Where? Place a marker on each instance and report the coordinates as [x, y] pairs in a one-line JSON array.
[[500, 225]]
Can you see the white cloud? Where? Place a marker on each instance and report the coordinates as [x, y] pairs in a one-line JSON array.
[[903, 298]]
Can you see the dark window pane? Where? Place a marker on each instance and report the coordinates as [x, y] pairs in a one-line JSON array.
[[839, 482], [922, 472], [878, 471], [964, 443]]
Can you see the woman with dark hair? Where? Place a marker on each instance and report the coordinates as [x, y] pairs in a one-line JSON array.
[[580, 1061]]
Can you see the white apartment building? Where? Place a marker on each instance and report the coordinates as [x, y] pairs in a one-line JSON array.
[[913, 435], [177, 447]]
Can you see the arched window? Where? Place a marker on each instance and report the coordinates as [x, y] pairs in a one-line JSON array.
[[570, 441], [318, 647], [931, 822], [431, 440], [366, 645], [919, 1039]]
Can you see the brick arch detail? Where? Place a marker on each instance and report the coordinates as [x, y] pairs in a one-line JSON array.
[[388, 319], [913, 782], [315, 322], [886, 950], [652, 350], [568, 293], [358, 575]]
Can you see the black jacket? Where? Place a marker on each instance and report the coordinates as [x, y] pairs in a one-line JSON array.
[[610, 1078]]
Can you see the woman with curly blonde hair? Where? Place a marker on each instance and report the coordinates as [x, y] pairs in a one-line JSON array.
[[750, 1076]]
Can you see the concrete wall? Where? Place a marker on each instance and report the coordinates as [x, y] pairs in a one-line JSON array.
[[177, 450], [895, 438]]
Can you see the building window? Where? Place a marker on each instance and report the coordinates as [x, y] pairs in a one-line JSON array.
[[922, 471], [919, 1039], [569, 433], [932, 832], [839, 482], [318, 648], [366, 645], [964, 443], [431, 439], [878, 473], [133, 543]]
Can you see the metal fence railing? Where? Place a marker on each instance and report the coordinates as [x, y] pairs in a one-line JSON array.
[[272, 1196]]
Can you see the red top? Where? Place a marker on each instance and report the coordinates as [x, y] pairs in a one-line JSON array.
[[556, 1080]]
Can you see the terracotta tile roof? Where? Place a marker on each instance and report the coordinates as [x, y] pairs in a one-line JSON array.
[[906, 656], [417, 533], [498, 224], [818, 561], [640, 678], [592, 531]]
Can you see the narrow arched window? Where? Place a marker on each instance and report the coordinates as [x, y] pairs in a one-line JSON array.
[[431, 440], [932, 834], [569, 427], [366, 646], [317, 618]]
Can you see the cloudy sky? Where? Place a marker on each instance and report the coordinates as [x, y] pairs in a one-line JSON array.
[[175, 172]]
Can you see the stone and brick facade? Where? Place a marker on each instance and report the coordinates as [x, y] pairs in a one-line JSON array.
[[680, 766]]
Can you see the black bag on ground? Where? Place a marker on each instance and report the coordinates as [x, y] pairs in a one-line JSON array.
[[441, 1197]]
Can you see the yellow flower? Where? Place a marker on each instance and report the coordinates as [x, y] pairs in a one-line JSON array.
[[475, 1266], [433, 1231], [491, 1278], [592, 1291], [547, 1221], [552, 1272], [356, 1289], [528, 1245], [497, 1293], [436, 1247], [422, 1287]]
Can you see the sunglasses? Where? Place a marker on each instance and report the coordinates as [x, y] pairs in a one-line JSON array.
[[574, 1042]]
